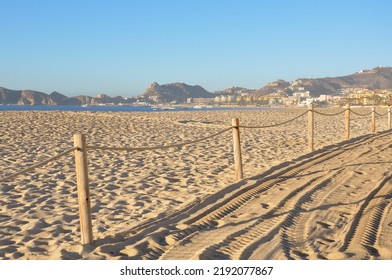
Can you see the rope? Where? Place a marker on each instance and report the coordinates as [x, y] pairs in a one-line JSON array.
[[358, 114], [273, 125], [381, 115], [158, 147], [329, 115], [32, 167]]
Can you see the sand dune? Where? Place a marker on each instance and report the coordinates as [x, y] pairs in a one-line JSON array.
[[183, 203]]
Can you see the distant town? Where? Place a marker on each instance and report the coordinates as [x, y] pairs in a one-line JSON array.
[[299, 98]]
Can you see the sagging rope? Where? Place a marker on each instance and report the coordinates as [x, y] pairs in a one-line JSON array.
[[32, 167], [158, 147], [329, 115], [358, 114], [381, 115], [367, 114], [273, 125]]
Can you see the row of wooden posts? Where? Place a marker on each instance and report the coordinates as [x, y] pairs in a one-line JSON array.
[[346, 126], [82, 168]]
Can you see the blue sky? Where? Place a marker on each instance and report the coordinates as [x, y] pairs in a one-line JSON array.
[[119, 47]]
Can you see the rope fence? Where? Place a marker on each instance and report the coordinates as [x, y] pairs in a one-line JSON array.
[[275, 125], [35, 166], [81, 154], [329, 115], [158, 147], [361, 115]]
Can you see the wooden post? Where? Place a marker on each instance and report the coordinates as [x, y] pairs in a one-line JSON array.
[[373, 120], [389, 117], [83, 189], [311, 127], [347, 122], [237, 150]]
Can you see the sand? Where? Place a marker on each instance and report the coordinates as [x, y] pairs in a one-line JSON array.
[[184, 203]]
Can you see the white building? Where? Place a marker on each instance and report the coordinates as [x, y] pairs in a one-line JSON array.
[[224, 98], [303, 94], [308, 101], [325, 97]]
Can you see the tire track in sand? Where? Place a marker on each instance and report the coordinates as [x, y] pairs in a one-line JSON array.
[[194, 232], [235, 245], [368, 221]]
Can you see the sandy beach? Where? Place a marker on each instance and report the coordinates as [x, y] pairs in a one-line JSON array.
[[183, 202]]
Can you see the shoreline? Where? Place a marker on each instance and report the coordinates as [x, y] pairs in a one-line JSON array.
[[129, 108]]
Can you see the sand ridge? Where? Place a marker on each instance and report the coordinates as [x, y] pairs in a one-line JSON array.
[[144, 204]]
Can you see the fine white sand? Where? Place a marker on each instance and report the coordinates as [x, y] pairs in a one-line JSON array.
[[183, 203]]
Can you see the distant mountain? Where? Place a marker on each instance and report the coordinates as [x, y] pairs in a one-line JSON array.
[[31, 97], [280, 86], [377, 78], [175, 92], [8, 96], [24, 97], [58, 97]]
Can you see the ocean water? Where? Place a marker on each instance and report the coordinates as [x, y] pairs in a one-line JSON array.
[[119, 108]]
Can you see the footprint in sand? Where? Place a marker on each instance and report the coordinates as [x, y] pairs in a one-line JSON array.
[[264, 205]]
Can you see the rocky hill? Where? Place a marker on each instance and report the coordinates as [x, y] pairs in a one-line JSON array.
[[175, 92], [24, 97], [377, 78], [280, 86], [31, 97]]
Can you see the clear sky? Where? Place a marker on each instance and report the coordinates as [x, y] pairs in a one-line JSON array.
[[119, 47]]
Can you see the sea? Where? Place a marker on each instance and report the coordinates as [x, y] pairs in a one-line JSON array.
[[124, 108]]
